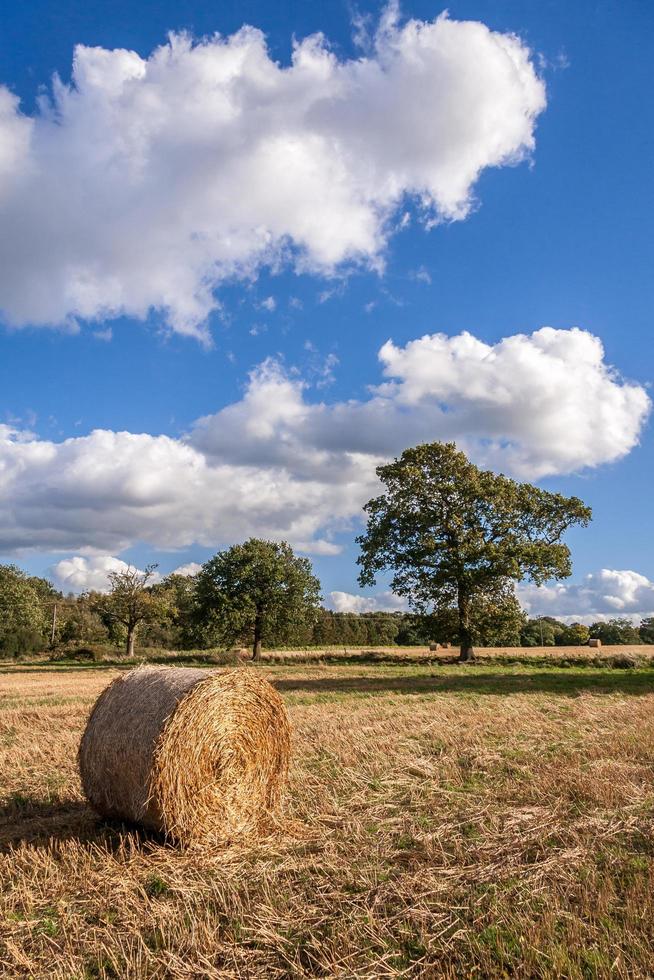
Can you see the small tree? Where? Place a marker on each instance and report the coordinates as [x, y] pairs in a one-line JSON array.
[[574, 635], [130, 602], [254, 591], [178, 630], [451, 532], [80, 622]]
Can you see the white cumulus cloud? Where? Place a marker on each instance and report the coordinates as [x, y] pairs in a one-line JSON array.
[[606, 594], [80, 574], [276, 464], [533, 404], [381, 602], [146, 182], [187, 571]]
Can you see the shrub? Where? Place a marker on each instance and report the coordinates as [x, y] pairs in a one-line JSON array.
[[21, 643]]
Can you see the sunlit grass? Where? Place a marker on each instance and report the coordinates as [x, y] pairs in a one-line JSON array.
[[448, 821]]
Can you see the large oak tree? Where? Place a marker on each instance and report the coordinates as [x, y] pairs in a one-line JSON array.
[[452, 533]]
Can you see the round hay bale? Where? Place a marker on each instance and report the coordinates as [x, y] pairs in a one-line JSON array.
[[198, 756]]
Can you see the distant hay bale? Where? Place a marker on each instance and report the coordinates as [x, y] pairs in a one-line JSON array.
[[201, 757], [594, 642]]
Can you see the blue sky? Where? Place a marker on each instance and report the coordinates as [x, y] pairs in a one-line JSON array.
[[561, 239]]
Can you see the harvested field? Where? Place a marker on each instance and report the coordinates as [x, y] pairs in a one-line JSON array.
[[446, 821]]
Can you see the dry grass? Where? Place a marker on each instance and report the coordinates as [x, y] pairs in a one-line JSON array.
[[448, 821], [574, 654]]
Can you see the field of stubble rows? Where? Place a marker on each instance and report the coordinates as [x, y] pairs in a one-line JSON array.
[[442, 821]]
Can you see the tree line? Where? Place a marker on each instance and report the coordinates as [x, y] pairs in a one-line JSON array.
[[169, 616], [454, 538]]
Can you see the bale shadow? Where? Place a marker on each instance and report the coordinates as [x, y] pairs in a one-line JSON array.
[[563, 682], [44, 823]]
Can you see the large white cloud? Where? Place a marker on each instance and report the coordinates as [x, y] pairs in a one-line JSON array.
[[606, 594], [533, 404], [145, 183], [81, 574], [278, 465]]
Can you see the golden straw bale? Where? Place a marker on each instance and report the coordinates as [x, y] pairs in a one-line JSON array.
[[199, 756]]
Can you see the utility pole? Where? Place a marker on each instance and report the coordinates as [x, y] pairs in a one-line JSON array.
[[54, 625]]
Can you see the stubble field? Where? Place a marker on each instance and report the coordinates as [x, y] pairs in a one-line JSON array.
[[442, 821]]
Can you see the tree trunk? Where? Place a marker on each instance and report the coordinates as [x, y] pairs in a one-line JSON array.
[[467, 653], [256, 646], [131, 638]]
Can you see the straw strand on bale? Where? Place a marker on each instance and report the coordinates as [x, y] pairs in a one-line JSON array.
[[201, 757]]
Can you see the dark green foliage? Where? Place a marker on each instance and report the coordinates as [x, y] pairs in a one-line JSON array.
[[646, 630], [22, 642], [25, 611], [353, 629], [416, 631], [615, 631], [574, 635], [178, 630], [130, 602], [454, 535], [545, 632], [79, 622], [253, 592]]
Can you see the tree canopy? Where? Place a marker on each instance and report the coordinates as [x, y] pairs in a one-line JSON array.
[[23, 612], [253, 590], [619, 630], [646, 631], [452, 533], [130, 602]]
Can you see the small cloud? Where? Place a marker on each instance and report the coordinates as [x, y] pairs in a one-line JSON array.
[[319, 368], [326, 372], [104, 335], [26, 422], [332, 292], [363, 29], [257, 329], [369, 307], [348, 602], [269, 303], [421, 274], [296, 303], [191, 568], [319, 547], [559, 62]]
